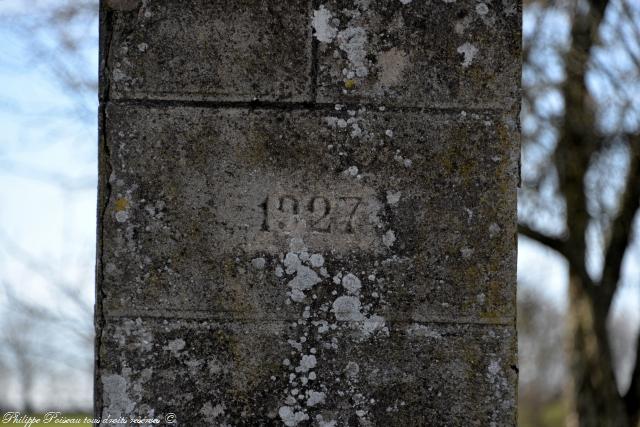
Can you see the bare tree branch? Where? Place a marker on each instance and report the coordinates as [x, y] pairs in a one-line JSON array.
[[621, 228], [555, 243], [632, 397]]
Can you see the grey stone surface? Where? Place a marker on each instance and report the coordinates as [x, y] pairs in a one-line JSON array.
[[422, 218], [458, 53], [201, 49], [307, 212], [435, 53], [270, 373]]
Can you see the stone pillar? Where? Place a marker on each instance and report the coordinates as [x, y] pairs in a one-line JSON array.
[[307, 212]]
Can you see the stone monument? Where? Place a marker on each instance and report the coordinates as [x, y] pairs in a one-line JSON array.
[[307, 212]]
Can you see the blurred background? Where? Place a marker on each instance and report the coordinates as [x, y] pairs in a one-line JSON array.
[[579, 256]]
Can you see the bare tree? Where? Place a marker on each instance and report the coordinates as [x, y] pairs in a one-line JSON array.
[[54, 337], [541, 326], [581, 177], [17, 333]]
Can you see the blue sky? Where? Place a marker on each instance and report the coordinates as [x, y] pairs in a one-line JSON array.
[[48, 178]]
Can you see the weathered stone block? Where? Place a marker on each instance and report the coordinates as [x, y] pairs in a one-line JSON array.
[[219, 50], [435, 53], [309, 373], [307, 212], [245, 214], [406, 53]]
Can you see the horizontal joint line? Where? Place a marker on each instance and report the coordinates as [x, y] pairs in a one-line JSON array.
[[293, 106], [204, 315]]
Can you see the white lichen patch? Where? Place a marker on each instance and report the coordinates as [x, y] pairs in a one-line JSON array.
[[305, 279], [315, 398], [290, 417], [279, 272], [324, 31], [352, 369], [122, 216], [316, 260], [314, 334], [211, 412], [135, 328], [493, 368], [331, 121], [510, 7], [326, 423], [175, 346], [297, 295], [393, 197], [469, 51], [466, 252], [372, 325], [122, 206], [481, 298], [307, 363], [351, 171], [295, 344], [258, 263], [482, 9], [291, 262], [352, 41], [351, 283], [406, 162], [356, 131], [469, 214], [494, 230], [347, 308], [118, 75], [418, 330], [389, 238], [323, 326], [117, 402]]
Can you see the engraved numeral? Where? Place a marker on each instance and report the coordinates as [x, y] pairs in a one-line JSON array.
[[321, 214], [355, 202], [320, 205], [288, 205], [265, 214]]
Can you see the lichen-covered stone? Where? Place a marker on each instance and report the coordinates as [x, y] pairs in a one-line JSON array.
[[253, 374], [307, 212], [208, 205], [222, 50], [457, 53], [435, 53]]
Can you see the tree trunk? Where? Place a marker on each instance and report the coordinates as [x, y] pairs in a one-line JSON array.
[[596, 400]]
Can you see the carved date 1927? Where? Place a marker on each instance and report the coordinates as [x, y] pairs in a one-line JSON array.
[[321, 214]]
